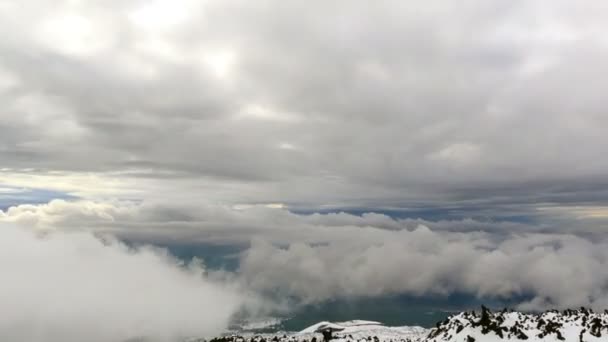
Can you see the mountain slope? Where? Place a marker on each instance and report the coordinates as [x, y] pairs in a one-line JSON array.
[[552, 326], [582, 325]]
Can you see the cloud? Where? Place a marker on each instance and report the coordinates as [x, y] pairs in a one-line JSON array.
[[458, 154], [75, 287], [316, 257], [61, 214], [377, 99], [556, 271], [239, 223]]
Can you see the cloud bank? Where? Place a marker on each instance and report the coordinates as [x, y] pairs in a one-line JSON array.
[[317, 257], [554, 271], [72, 287]]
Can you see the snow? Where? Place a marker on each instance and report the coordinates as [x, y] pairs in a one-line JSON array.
[[571, 325], [581, 325], [261, 324], [322, 326], [360, 330], [348, 326]]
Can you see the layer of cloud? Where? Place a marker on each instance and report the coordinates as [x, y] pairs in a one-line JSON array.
[[555, 271], [71, 287], [300, 103], [312, 258], [240, 223]]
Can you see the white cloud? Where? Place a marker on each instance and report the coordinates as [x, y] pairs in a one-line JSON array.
[[74, 34], [264, 113], [72, 287], [160, 15], [458, 153], [220, 63], [578, 212], [557, 271], [61, 214], [343, 255], [287, 146], [88, 185]]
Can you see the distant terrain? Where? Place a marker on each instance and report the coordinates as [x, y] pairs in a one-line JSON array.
[[581, 325]]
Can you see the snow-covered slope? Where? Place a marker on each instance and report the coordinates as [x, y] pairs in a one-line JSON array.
[[552, 326], [581, 325], [358, 330]]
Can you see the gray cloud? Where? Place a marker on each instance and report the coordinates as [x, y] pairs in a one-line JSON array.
[[308, 104]]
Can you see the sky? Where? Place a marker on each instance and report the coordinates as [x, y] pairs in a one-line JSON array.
[[354, 148]]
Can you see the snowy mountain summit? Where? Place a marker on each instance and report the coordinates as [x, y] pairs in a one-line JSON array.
[[581, 325]]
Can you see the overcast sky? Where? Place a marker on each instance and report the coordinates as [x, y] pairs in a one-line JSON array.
[[476, 126]]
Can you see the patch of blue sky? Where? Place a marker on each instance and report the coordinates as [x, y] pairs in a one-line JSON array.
[[12, 196]]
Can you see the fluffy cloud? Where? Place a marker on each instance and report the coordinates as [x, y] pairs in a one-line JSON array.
[[223, 223], [239, 223], [322, 256], [555, 271], [74, 287]]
